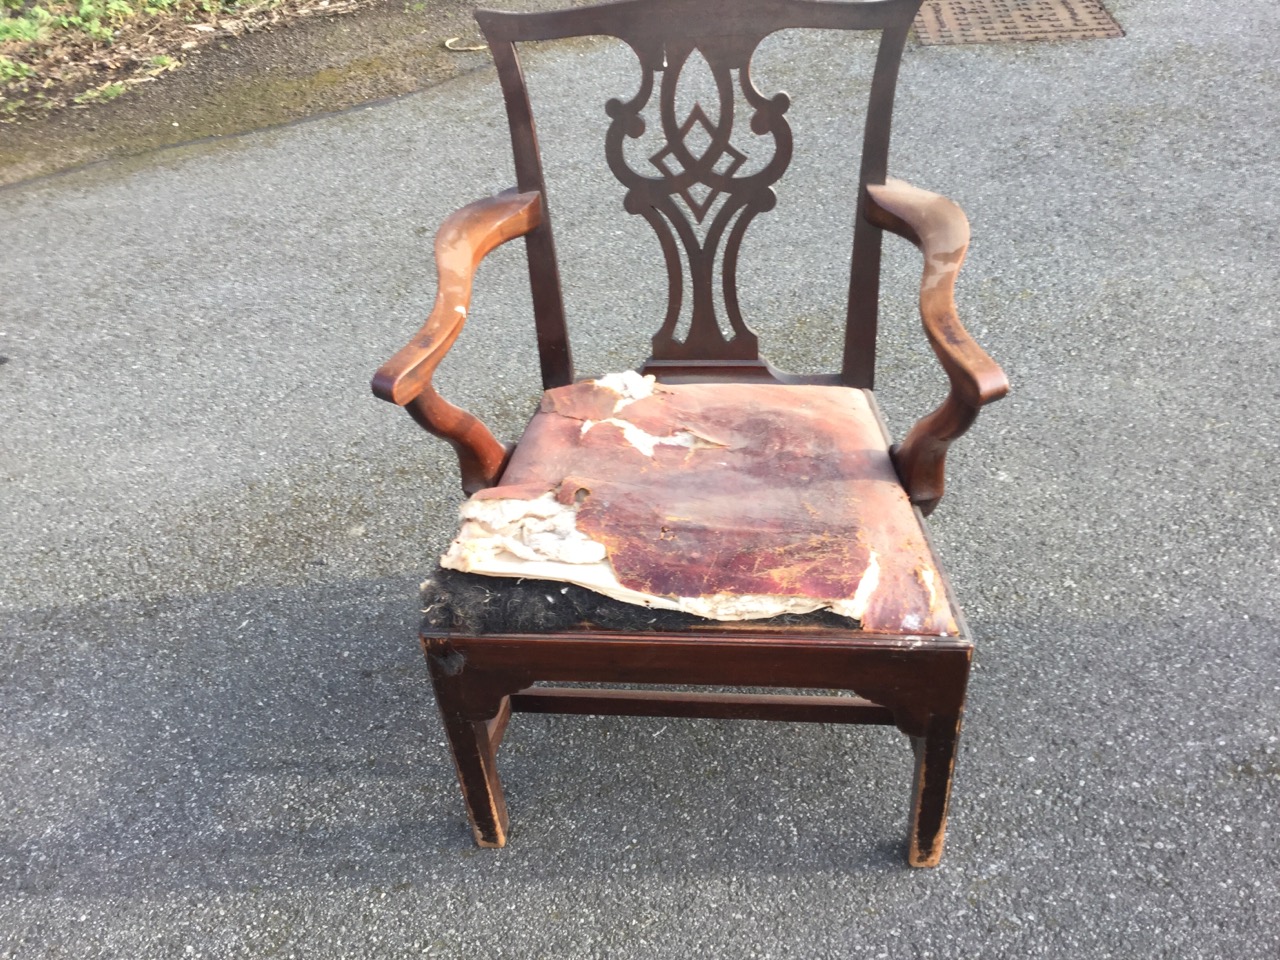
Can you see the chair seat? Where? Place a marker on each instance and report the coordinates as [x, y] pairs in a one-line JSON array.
[[723, 501]]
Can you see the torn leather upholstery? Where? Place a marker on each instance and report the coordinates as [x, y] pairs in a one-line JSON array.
[[725, 501]]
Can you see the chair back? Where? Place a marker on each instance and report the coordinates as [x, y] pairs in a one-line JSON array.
[[700, 191]]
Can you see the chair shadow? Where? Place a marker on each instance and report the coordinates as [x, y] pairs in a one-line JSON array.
[[289, 737]]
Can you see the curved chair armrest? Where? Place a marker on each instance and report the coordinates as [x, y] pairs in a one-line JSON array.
[[939, 228], [461, 243]]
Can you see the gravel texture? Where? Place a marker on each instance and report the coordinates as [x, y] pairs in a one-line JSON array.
[[218, 736]]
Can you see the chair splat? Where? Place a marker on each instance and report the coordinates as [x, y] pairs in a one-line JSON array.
[[708, 166]]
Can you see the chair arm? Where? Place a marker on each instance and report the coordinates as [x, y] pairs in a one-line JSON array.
[[939, 228], [463, 240]]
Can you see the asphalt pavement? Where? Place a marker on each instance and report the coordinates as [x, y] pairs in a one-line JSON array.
[[217, 738]]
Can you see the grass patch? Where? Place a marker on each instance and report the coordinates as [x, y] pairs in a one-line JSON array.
[[108, 91], [59, 53]]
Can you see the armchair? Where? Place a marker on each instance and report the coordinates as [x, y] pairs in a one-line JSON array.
[[707, 520]]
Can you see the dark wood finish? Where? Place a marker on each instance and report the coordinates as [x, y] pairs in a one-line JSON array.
[[474, 744], [939, 228], [496, 726], [931, 789], [918, 684], [700, 208], [708, 706], [912, 677], [665, 34], [554, 353], [858, 368]]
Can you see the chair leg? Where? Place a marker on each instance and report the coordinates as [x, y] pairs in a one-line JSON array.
[[475, 758], [935, 759]]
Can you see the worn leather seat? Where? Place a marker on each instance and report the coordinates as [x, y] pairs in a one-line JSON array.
[[725, 501]]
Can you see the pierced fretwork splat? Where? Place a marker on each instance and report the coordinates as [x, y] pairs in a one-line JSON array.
[[701, 198], [698, 178]]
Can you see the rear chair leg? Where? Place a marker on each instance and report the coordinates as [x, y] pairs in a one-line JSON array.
[[935, 760]]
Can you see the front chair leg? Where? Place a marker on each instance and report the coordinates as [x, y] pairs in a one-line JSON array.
[[475, 745], [935, 759], [461, 695]]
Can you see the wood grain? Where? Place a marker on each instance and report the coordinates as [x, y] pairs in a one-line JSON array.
[[463, 241], [940, 229]]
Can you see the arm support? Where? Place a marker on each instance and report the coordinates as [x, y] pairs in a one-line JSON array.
[[939, 228], [462, 242]]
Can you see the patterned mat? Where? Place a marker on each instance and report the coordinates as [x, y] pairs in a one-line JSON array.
[[1008, 21]]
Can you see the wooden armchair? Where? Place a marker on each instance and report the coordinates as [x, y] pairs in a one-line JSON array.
[[710, 521]]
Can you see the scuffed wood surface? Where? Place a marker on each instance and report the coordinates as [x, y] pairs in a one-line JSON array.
[[736, 490], [940, 229], [464, 239]]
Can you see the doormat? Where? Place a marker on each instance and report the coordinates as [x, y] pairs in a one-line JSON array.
[[1008, 21]]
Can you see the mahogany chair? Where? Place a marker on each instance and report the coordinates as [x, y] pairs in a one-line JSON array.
[[724, 524]]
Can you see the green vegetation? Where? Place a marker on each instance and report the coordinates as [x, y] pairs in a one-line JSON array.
[[47, 22], [108, 91], [57, 53], [13, 69]]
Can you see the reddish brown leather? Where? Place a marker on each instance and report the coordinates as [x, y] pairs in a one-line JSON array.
[[787, 491]]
